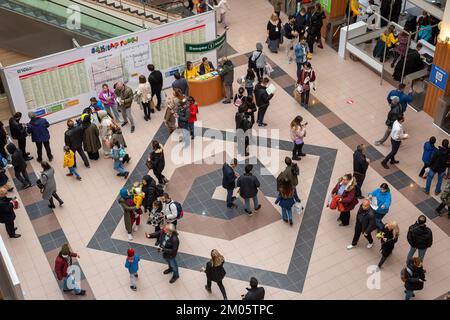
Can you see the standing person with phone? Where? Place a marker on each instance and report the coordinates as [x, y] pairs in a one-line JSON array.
[[215, 272], [298, 132], [306, 79]]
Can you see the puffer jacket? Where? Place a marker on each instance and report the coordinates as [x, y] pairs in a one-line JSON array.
[[420, 236], [37, 127], [248, 185]]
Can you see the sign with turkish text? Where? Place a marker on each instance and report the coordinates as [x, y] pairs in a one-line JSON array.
[[206, 46]]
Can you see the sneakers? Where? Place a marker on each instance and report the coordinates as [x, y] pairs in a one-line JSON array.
[[173, 279], [350, 246], [134, 288], [369, 245], [130, 237]]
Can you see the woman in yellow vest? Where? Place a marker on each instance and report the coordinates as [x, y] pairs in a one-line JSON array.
[[191, 71]]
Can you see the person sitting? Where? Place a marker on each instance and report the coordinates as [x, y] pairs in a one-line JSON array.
[[191, 71], [413, 64], [205, 67]]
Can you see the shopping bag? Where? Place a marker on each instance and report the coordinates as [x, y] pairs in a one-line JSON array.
[[298, 208], [427, 170], [268, 69]]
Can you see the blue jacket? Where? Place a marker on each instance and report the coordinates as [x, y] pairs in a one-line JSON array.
[[289, 202], [37, 127], [383, 199], [425, 33], [133, 267], [428, 150], [98, 106], [404, 98], [299, 53]]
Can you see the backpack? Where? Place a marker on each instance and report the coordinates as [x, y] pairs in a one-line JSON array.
[[239, 101], [180, 212], [251, 62]]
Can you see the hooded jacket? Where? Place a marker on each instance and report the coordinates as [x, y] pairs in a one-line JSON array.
[[157, 159], [150, 191], [415, 277], [17, 159], [37, 127], [349, 200], [132, 264], [420, 236], [383, 199], [428, 151]]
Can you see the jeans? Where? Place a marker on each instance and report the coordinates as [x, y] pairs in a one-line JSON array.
[[118, 166], [430, 177], [249, 91], [133, 278], [391, 156], [247, 203], [229, 197], [185, 132], [408, 294], [261, 113], [126, 114], [173, 266], [305, 97], [379, 220], [112, 110], [286, 213], [70, 281], [47, 149], [191, 128], [73, 171], [299, 67], [411, 254]]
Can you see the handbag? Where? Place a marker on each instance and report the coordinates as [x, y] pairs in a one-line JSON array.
[[298, 208], [334, 202], [309, 56]]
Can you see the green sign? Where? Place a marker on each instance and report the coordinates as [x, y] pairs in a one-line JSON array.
[[205, 46], [326, 4]]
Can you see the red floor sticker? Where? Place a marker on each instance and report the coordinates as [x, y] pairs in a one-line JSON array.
[[349, 101]]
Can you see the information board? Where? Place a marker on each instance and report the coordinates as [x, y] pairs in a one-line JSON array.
[[438, 77]]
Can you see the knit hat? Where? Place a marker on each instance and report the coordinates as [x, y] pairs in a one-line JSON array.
[[259, 46], [65, 250], [130, 253]]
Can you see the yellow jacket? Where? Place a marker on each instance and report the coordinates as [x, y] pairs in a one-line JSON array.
[[355, 6], [69, 159], [138, 199], [189, 74], [391, 39]]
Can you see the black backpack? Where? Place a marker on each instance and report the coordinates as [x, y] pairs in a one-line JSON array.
[[251, 62]]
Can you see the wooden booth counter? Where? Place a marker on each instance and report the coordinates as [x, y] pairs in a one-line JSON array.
[[206, 91]]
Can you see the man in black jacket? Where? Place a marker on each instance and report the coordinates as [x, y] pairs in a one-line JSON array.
[[73, 138], [229, 181], [254, 292], [7, 215], [249, 185], [155, 79], [360, 165], [169, 245], [19, 133], [393, 115], [420, 237], [365, 224], [262, 100], [438, 165], [20, 165]]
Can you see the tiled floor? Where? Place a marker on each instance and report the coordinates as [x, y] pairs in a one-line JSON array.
[[305, 261]]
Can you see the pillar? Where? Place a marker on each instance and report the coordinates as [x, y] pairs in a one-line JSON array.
[[442, 60]]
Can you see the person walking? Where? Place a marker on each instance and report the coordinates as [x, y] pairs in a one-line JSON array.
[[301, 51], [257, 61], [364, 224], [63, 262], [306, 79], [193, 111], [91, 137], [223, 7], [249, 81], [48, 185], [243, 132], [262, 100], [132, 265], [184, 114], [20, 165], [345, 190], [360, 166], [393, 114], [419, 237], [215, 272], [108, 98], [229, 181], [19, 132], [157, 162], [287, 197], [298, 133], [445, 200], [144, 92], [428, 151], [155, 79], [438, 165], [248, 186], [413, 276], [38, 128], [383, 199], [397, 135], [124, 96], [170, 244], [389, 237], [254, 292], [7, 214], [69, 162], [73, 138], [226, 71], [274, 33]]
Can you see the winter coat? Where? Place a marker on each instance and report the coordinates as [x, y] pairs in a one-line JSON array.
[[438, 162], [127, 212], [157, 159], [170, 245], [37, 127], [428, 151], [445, 195], [156, 81], [413, 63], [366, 218], [73, 137], [255, 294], [145, 92], [201, 69], [414, 278], [107, 98], [193, 110], [229, 177], [215, 274], [183, 116], [181, 84], [303, 79], [261, 96], [133, 266], [17, 159], [393, 114], [69, 159], [227, 73], [420, 236], [288, 174], [62, 264], [48, 180], [126, 96], [7, 213], [360, 163], [150, 192], [18, 131], [383, 199], [387, 246], [91, 140], [248, 185], [349, 200], [287, 203]]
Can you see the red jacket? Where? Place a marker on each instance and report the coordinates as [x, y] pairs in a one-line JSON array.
[[348, 197], [193, 112], [62, 264]]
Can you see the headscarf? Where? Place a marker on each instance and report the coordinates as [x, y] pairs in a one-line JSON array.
[[124, 193]]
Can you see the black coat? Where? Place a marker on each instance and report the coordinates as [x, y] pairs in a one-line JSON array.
[[158, 161], [261, 96], [248, 185], [6, 210], [438, 162], [255, 294], [420, 236], [215, 274], [201, 69], [150, 192], [73, 137], [413, 277], [18, 131], [360, 164], [229, 177], [18, 161], [170, 247], [367, 220], [413, 63], [393, 115], [388, 246], [156, 81]]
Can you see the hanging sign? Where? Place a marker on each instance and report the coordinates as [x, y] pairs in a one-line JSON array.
[[206, 46]]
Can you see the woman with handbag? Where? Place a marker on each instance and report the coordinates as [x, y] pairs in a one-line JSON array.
[[413, 276], [305, 81], [215, 272], [47, 184], [144, 93], [345, 194], [274, 33], [287, 197]]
